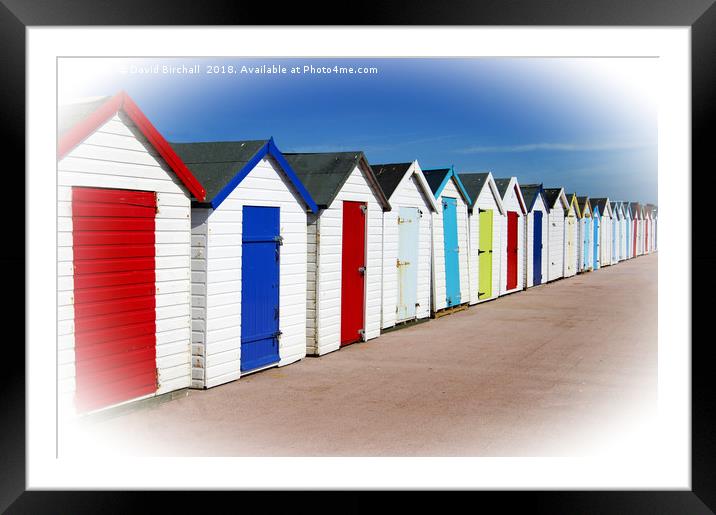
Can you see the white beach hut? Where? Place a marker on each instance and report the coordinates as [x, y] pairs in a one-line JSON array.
[[345, 249], [605, 233], [407, 240], [586, 234], [513, 236], [536, 235], [123, 245], [249, 260], [558, 207], [450, 277], [485, 221], [571, 236], [628, 229]]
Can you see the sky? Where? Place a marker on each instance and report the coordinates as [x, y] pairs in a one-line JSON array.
[[586, 124]]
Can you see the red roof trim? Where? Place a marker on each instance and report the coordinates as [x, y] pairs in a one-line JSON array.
[[122, 101]]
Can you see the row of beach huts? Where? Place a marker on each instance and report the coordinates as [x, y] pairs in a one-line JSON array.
[[189, 265]]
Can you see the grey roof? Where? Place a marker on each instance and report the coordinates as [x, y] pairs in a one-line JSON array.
[[530, 192], [70, 115], [600, 203], [435, 177], [324, 174], [552, 194], [582, 201], [473, 183], [390, 175], [215, 163], [502, 185], [626, 206]]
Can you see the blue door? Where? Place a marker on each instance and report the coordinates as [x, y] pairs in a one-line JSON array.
[[452, 260], [260, 265], [595, 259], [537, 250], [408, 225]]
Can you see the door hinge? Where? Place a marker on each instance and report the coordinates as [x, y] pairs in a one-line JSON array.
[[278, 239], [363, 208], [480, 251], [480, 210], [481, 293], [361, 333], [361, 270]]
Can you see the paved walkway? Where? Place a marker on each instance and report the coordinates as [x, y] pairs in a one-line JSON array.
[[539, 372]]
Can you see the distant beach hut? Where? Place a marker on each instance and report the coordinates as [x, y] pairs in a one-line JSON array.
[[513, 230], [586, 233], [407, 240], [485, 220], [558, 207], [605, 233], [450, 277], [536, 233]]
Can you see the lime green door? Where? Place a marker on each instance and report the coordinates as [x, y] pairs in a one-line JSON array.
[[484, 255]]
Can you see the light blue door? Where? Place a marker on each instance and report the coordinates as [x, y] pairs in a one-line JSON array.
[[595, 242], [408, 239], [587, 239], [452, 261]]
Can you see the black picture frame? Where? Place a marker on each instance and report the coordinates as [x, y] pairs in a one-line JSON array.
[[700, 15]]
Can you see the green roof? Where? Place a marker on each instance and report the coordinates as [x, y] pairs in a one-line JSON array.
[[216, 163]]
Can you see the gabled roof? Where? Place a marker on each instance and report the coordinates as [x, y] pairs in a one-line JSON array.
[[605, 208], [389, 176], [617, 209], [438, 179], [531, 192], [555, 195], [572, 198], [222, 165], [324, 174], [636, 210], [76, 122], [626, 209], [585, 206], [506, 184], [475, 182], [650, 210]]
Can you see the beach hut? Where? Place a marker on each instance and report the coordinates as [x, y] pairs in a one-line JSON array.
[[249, 260], [628, 229], [616, 231], [622, 231], [605, 232], [586, 232], [513, 230], [407, 237], [123, 242], [485, 218], [450, 278], [596, 237], [558, 206], [649, 233], [636, 228], [345, 249], [571, 236], [536, 235]]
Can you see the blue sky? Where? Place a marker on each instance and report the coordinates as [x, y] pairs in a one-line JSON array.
[[589, 125]]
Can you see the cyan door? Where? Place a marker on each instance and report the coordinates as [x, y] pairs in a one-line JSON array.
[[260, 266], [595, 256], [452, 260], [537, 250], [408, 239]]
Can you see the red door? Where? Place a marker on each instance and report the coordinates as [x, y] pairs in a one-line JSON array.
[[353, 272], [114, 295], [511, 250]]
